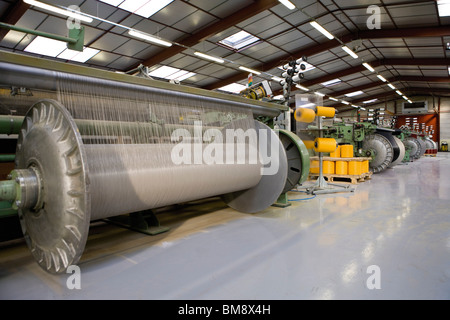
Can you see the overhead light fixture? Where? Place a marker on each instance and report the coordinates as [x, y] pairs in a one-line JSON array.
[[448, 70], [350, 52], [399, 92], [356, 93], [60, 11], [370, 101], [334, 99], [331, 82], [322, 30], [319, 93], [362, 108], [392, 87], [239, 40], [443, 8], [381, 78], [354, 106], [368, 67], [301, 87], [149, 38], [288, 4], [405, 98], [208, 57], [170, 73], [249, 70], [345, 102]]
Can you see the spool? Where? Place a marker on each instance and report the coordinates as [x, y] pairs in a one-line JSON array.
[[354, 168], [314, 166], [336, 153], [304, 115], [325, 145], [309, 144], [341, 167], [365, 166], [327, 112], [347, 151], [328, 167]]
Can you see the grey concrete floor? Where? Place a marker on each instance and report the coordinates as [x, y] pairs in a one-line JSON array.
[[323, 248]]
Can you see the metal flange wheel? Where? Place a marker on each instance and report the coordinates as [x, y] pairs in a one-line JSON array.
[[55, 222], [382, 151]]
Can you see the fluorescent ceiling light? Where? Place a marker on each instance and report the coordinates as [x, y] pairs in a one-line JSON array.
[[233, 88], [60, 11], [391, 86], [319, 94], [369, 67], [288, 4], [443, 8], [405, 98], [78, 56], [46, 46], [322, 30], [363, 109], [354, 106], [170, 73], [370, 101], [331, 82], [381, 78], [345, 102], [239, 40], [399, 92], [150, 38], [350, 52], [334, 99], [208, 57], [249, 70], [448, 70], [301, 87], [409, 101], [356, 93]]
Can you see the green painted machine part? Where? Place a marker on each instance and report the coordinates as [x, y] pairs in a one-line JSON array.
[[7, 157], [75, 40], [10, 124], [298, 164]]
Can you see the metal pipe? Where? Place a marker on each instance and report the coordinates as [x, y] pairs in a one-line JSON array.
[[8, 190], [7, 157], [10, 124], [38, 33]]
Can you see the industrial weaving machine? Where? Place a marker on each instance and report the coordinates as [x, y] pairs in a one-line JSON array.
[[96, 144]]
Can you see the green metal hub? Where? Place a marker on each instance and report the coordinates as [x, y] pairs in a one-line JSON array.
[[22, 190]]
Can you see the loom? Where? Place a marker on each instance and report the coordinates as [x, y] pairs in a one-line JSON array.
[[105, 146]]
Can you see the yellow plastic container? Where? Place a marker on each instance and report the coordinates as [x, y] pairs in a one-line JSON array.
[[309, 144], [336, 153], [304, 115], [341, 167], [354, 168], [328, 167], [346, 151], [325, 112], [314, 166]]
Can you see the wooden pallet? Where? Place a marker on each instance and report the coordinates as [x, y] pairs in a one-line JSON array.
[[353, 179]]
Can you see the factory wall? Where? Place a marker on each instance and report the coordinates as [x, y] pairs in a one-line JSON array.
[[442, 123]]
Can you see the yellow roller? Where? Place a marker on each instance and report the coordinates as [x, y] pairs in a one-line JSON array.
[[304, 115], [328, 167], [314, 166], [341, 167], [347, 151], [309, 144], [325, 145], [325, 112], [354, 168], [336, 153]]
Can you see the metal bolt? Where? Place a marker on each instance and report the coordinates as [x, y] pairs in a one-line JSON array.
[[18, 203]]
